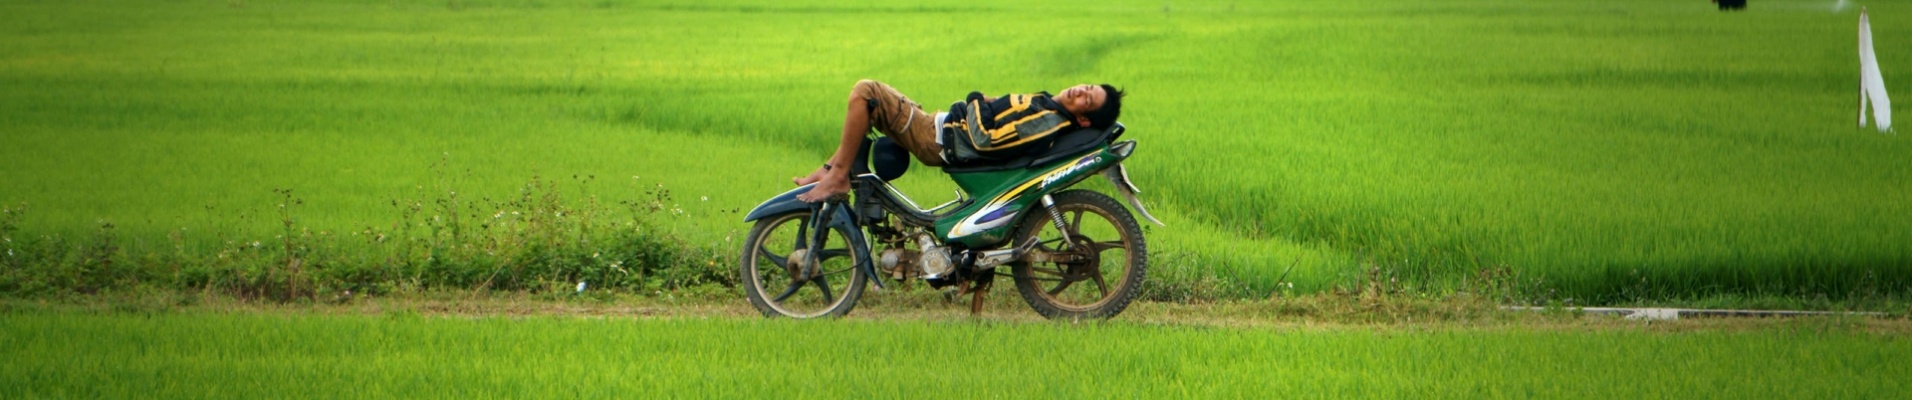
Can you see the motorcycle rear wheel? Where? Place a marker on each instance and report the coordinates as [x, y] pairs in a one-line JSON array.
[[779, 286], [1096, 272]]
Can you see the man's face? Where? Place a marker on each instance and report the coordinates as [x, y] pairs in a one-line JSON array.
[[1081, 99]]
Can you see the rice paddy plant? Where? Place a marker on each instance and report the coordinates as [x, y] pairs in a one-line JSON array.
[[1612, 151], [402, 354]]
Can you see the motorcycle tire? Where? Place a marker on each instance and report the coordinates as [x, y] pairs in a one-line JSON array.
[[780, 287], [1075, 283]]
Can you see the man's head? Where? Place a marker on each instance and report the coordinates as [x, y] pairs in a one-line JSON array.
[[1094, 106]]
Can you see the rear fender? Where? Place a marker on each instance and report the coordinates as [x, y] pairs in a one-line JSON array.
[[1119, 177]]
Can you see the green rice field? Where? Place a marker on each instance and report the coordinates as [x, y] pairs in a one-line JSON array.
[[200, 355], [1605, 151]]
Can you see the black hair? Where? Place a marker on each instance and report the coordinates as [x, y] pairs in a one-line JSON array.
[[1111, 108]]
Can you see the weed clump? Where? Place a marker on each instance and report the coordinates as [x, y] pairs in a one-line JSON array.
[[538, 241]]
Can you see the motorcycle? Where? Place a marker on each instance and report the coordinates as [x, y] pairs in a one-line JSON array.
[[1073, 253]]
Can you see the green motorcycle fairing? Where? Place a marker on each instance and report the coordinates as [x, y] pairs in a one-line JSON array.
[[987, 223]]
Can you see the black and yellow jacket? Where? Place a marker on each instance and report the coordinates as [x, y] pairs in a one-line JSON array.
[[979, 129]]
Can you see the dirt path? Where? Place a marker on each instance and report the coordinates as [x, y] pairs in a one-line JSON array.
[[1321, 312]]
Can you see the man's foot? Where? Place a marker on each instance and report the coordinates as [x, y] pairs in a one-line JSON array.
[[830, 185], [813, 177]]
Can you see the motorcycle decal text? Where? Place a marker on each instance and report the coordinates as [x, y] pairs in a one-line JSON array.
[[999, 211], [1050, 178]]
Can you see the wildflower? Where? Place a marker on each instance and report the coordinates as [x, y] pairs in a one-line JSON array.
[[704, 198], [594, 254], [255, 244]]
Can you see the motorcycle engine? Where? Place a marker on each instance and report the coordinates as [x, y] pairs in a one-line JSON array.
[[934, 261], [894, 260]]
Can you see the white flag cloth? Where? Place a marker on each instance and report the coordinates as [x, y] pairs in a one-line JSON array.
[[1871, 84]]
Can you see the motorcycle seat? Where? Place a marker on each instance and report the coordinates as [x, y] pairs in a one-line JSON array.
[[1075, 142]]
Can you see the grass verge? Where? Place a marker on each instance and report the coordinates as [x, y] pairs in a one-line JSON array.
[[519, 347]]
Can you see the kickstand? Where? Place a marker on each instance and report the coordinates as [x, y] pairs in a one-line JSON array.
[[976, 297]]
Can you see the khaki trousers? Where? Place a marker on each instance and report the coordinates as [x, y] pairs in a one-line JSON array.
[[901, 120]]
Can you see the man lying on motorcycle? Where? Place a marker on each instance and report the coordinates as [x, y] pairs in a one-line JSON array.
[[983, 123]]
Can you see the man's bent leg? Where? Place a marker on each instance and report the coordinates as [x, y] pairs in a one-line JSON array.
[[875, 105], [834, 177], [902, 120], [855, 124]]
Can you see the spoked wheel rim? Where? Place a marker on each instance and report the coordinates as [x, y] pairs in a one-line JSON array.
[[1087, 271], [776, 274]]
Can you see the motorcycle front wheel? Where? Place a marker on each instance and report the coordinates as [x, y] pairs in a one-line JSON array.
[[1091, 269], [779, 281]]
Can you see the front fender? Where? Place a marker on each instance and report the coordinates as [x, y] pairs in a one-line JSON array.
[[782, 203], [835, 214]]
